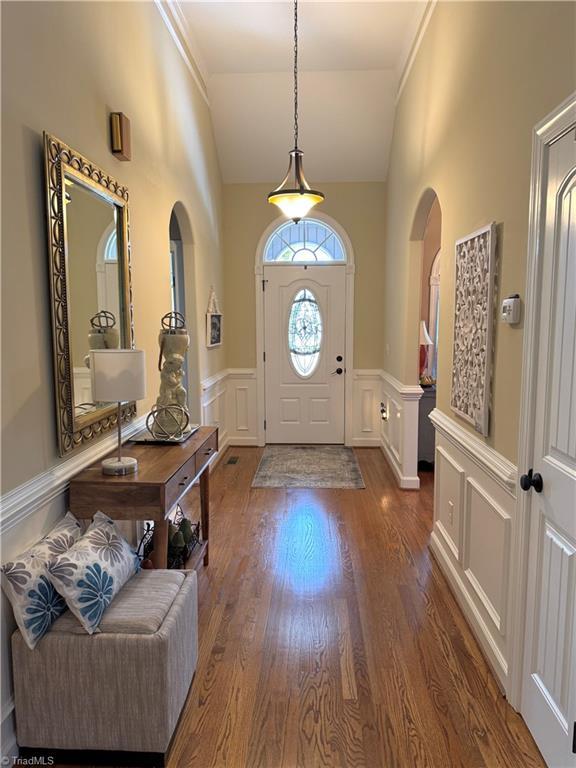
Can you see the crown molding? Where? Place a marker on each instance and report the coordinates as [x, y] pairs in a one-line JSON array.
[[423, 26], [175, 21]]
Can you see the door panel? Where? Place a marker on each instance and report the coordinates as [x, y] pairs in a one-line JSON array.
[[304, 333], [549, 694]]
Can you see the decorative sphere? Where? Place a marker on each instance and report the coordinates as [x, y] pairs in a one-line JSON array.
[[103, 319], [167, 422], [173, 321]]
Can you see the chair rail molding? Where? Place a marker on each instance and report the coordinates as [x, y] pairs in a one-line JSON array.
[[229, 401], [26, 499], [493, 463]]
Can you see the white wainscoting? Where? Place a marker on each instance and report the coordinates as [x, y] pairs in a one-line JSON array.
[[27, 513], [366, 399], [229, 402], [397, 433], [474, 515]]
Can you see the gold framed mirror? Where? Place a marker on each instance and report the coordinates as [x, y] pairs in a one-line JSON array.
[[90, 286]]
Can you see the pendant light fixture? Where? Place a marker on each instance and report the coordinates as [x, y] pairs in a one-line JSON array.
[[294, 196]]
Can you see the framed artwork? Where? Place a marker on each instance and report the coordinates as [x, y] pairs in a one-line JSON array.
[[473, 327], [213, 329], [213, 321]]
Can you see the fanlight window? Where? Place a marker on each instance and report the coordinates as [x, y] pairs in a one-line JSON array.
[[309, 241], [305, 333], [111, 248]]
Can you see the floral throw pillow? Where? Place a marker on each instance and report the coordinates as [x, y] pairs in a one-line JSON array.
[[35, 602], [93, 571]]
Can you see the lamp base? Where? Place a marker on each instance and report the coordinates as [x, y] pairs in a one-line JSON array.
[[124, 466]]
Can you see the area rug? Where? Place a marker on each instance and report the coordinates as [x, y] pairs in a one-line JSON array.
[[308, 466]]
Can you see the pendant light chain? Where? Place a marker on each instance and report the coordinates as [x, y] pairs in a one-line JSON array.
[[294, 196], [295, 74]]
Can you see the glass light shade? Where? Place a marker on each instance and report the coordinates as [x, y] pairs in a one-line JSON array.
[[118, 375], [294, 196]]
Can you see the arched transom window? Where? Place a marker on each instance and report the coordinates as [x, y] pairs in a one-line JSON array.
[[309, 241]]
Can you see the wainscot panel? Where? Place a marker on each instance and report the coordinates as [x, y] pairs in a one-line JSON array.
[[474, 513]]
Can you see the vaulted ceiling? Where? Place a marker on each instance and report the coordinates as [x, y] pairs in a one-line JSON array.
[[352, 56]]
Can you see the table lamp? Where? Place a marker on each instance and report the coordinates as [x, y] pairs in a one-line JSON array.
[[425, 343], [118, 375]]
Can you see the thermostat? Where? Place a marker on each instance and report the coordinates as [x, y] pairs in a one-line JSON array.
[[511, 309]]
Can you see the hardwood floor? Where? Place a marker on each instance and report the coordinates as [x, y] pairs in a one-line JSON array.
[[329, 638]]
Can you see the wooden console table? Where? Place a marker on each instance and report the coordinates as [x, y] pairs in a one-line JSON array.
[[165, 473]]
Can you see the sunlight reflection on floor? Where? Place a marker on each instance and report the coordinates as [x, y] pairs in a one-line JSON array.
[[307, 554]]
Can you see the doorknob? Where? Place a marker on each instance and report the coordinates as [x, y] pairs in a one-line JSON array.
[[339, 371], [532, 480]]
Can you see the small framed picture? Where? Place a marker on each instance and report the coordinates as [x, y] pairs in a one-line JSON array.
[[213, 329]]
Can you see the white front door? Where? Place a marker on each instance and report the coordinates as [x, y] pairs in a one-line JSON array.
[[304, 346], [549, 686]]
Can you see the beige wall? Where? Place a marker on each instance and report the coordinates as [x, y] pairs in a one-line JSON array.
[[430, 247], [65, 66], [485, 74], [358, 208]]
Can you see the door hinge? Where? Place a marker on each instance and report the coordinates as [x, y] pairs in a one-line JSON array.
[[264, 284], [574, 739], [264, 423], [264, 356]]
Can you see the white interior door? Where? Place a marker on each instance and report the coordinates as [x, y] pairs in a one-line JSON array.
[[549, 688], [304, 346]]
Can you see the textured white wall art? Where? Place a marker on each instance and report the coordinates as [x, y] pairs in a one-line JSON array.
[[473, 323]]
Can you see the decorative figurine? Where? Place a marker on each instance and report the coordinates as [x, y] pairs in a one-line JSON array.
[[170, 419]]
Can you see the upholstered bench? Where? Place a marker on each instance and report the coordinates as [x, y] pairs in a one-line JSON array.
[[120, 689]]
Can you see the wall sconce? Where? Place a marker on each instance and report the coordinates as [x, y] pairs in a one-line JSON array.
[[120, 143]]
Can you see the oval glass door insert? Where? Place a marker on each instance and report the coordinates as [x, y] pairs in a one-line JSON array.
[[305, 333]]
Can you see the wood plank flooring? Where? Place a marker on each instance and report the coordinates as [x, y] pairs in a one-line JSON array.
[[329, 638]]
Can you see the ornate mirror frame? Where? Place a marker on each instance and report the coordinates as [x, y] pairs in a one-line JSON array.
[[60, 161]]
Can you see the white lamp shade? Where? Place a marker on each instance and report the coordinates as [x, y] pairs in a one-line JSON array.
[[424, 335], [118, 375]]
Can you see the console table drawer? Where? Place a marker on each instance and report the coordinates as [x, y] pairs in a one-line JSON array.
[[179, 482], [206, 452]]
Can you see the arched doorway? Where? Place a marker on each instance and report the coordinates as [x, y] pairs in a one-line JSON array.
[[304, 275], [426, 237], [183, 296]]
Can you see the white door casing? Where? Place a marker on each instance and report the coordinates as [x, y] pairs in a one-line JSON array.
[[349, 313], [304, 408], [548, 446]]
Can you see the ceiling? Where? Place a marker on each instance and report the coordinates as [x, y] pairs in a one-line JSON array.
[[351, 57]]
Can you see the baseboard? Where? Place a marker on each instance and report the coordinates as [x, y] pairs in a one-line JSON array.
[[405, 482], [243, 441], [459, 589], [365, 442]]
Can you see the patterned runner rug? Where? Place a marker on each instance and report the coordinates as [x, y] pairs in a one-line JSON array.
[[308, 466]]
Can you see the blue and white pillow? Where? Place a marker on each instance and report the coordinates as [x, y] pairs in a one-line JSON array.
[[93, 571], [35, 602]]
